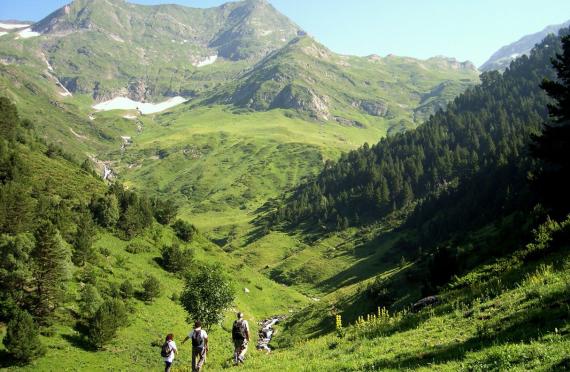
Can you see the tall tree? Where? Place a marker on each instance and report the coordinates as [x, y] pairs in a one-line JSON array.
[[83, 240], [49, 269], [22, 338], [552, 147]]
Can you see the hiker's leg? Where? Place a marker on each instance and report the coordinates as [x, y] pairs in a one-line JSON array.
[[237, 349], [202, 360], [194, 356], [167, 366], [243, 351]]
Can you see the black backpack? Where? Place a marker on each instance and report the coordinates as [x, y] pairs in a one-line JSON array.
[[197, 339], [238, 333], [165, 350]]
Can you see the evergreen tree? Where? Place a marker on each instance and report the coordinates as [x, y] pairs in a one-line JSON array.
[[83, 250], [127, 290], [89, 301], [552, 147], [184, 230], [49, 268], [105, 209], [107, 320], [15, 274], [151, 289], [22, 338], [176, 259]]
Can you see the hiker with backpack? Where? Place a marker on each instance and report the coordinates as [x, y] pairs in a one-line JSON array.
[[168, 351], [199, 339], [240, 337]]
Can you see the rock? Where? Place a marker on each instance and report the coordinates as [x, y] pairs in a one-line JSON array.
[[425, 302], [246, 290], [374, 108], [302, 99]]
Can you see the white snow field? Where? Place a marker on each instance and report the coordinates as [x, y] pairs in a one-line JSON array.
[[205, 62], [123, 103], [27, 33], [11, 26]]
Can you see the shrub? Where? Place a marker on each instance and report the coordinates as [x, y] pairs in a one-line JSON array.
[[137, 247], [22, 338], [151, 288], [89, 301], [103, 327], [184, 230], [127, 290], [176, 259]]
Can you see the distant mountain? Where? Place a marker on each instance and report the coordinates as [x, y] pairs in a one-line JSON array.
[[307, 77], [502, 58], [111, 47]]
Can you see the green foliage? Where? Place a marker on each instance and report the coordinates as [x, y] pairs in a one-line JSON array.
[[184, 230], [50, 262], [175, 259], [127, 289], [89, 301], [22, 338], [164, 210], [83, 250], [105, 209], [138, 247], [151, 289], [551, 146], [15, 272], [104, 325], [207, 293]]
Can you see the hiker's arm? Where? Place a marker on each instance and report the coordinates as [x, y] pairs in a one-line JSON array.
[[247, 334], [186, 339], [206, 343]]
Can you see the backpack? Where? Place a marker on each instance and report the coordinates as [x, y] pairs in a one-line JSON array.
[[165, 350], [197, 339], [238, 332]]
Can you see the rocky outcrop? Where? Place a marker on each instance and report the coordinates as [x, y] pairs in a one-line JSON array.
[[374, 108], [304, 100]]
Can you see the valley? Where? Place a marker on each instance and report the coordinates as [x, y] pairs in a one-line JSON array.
[[331, 191]]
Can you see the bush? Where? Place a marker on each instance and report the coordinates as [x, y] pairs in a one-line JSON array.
[[127, 290], [184, 230], [151, 288], [22, 338], [89, 301], [207, 294], [176, 259], [137, 247], [103, 327]]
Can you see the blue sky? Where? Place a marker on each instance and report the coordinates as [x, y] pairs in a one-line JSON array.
[[465, 29]]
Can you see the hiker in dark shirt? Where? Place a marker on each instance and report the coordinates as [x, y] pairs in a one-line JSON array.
[[199, 339], [240, 337]]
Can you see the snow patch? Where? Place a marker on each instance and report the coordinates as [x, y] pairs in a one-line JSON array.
[[123, 103], [2, 33], [12, 26], [130, 117], [77, 134], [116, 38], [27, 33], [205, 62]]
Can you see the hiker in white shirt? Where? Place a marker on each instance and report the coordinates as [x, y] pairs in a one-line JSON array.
[[169, 349], [199, 339]]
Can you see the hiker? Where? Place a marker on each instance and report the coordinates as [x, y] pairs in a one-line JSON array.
[[240, 336], [167, 352], [199, 339]]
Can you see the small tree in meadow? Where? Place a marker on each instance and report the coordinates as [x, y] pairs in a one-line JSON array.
[[151, 289], [22, 338], [104, 325], [175, 259], [184, 230], [127, 290], [208, 292], [89, 301]]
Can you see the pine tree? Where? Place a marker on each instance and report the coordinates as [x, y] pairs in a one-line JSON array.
[[22, 338], [104, 325], [89, 301], [83, 241], [553, 145], [49, 269], [151, 288]]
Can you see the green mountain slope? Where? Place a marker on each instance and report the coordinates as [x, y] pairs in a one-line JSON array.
[[307, 77]]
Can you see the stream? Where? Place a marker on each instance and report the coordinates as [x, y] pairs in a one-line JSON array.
[[266, 332]]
